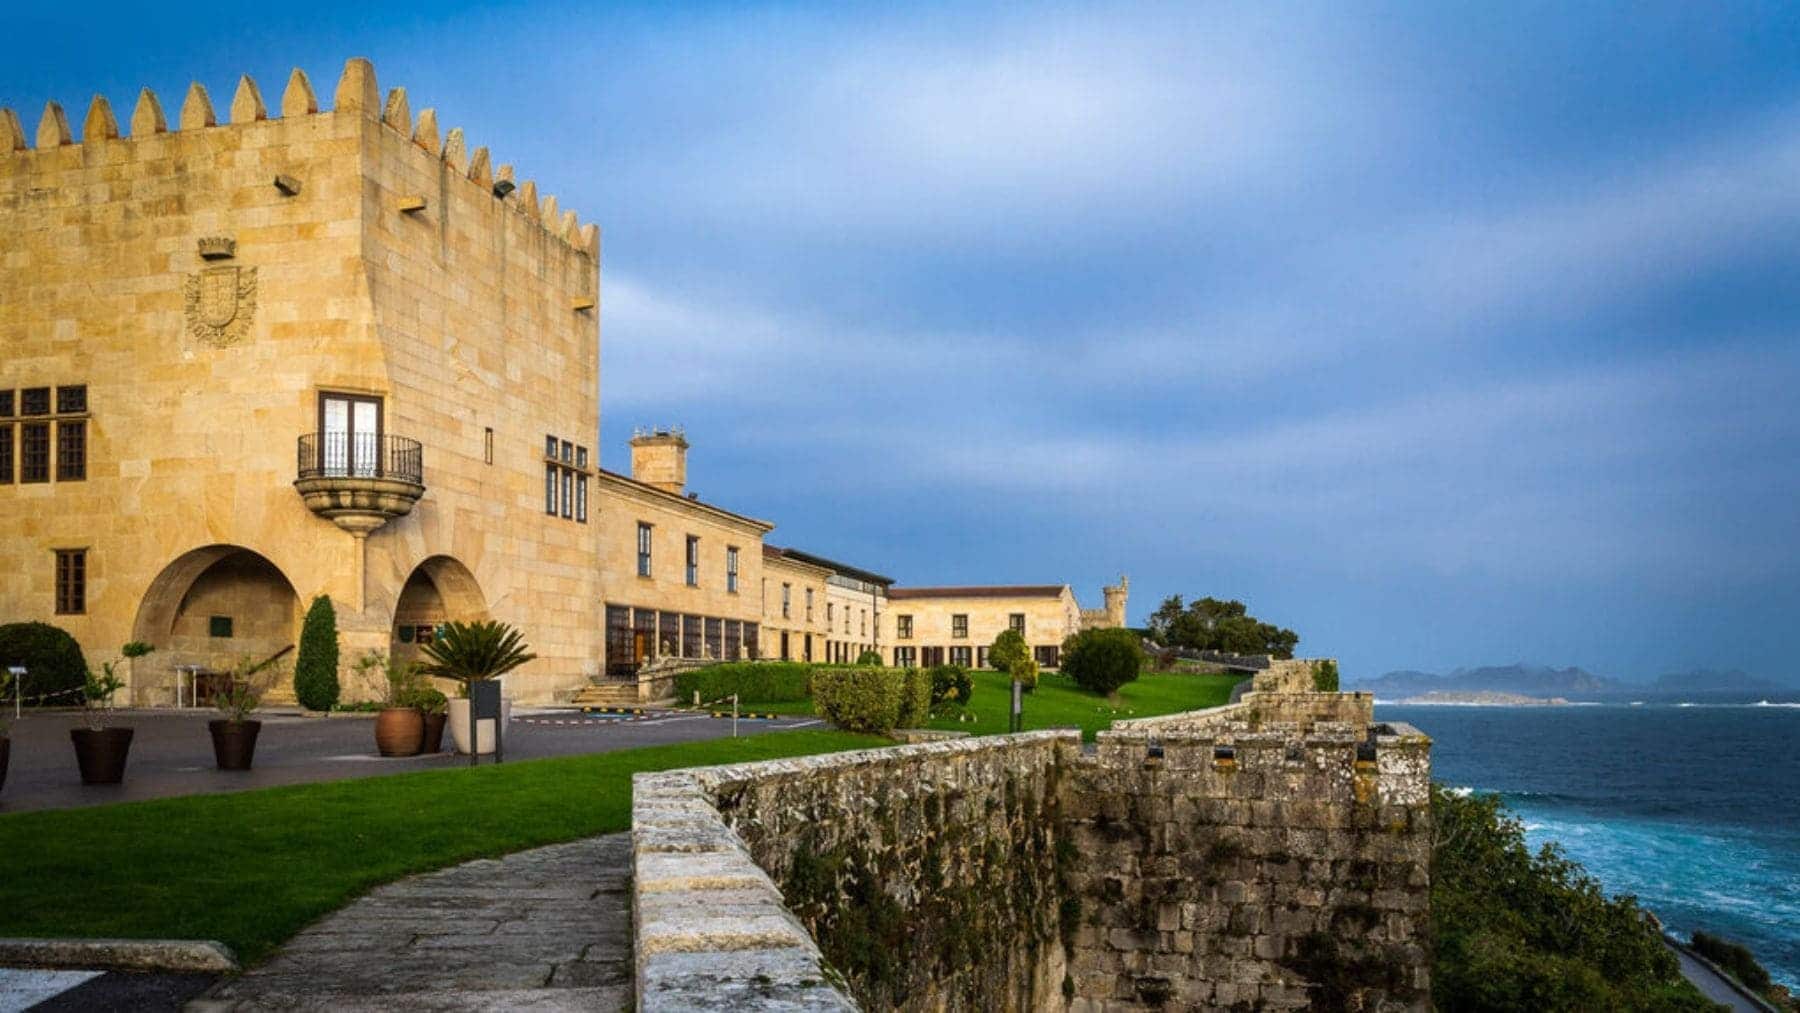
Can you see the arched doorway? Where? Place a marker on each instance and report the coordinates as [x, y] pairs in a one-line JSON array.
[[439, 590], [212, 608]]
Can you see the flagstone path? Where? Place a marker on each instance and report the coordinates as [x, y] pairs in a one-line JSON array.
[[547, 929]]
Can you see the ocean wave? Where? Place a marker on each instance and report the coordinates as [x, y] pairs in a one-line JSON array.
[[1777, 703]]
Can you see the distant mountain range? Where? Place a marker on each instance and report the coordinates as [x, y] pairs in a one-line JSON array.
[[1700, 685]]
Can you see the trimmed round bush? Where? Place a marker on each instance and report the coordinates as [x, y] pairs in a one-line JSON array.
[[876, 700], [1024, 671], [316, 665], [1007, 650], [951, 684], [1100, 661], [52, 659], [869, 659]]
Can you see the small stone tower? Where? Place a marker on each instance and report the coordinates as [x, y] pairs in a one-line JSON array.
[[659, 458], [1116, 598]]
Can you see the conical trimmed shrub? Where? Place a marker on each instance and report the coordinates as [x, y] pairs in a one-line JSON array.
[[316, 667]]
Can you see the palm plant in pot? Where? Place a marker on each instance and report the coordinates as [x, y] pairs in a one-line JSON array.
[[471, 653], [100, 748], [234, 735], [399, 726]]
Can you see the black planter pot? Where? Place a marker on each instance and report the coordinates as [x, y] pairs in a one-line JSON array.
[[434, 733], [5, 755], [101, 753], [234, 743]]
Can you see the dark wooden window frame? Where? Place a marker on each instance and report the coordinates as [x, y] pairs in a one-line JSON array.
[[71, 582]]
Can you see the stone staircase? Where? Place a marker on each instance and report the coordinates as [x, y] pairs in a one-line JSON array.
[[607, 694]]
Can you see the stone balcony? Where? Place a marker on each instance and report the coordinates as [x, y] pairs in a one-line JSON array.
[[360, 482]]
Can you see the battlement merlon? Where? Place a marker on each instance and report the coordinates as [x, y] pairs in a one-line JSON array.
[[356, 93]]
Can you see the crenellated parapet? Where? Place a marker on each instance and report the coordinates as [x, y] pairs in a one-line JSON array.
[[356, 93]]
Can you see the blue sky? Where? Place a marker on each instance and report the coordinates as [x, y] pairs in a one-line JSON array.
[[1443, 333]]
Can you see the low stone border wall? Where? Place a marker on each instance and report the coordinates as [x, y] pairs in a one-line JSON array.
[[119, 954], [712, 929]]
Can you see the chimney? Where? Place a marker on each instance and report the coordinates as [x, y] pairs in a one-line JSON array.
[[659, 458]]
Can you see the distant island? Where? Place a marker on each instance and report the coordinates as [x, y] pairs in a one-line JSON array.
[[1541, 683], [1481, 698]]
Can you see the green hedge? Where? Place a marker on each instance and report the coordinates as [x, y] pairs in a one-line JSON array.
[[872, 699], [752, 681], [52, 661]]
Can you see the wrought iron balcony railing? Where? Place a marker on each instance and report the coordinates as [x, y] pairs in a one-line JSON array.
[[361, 455]]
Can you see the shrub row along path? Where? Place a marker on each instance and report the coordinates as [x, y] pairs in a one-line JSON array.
[[171, 751], [546, 929]]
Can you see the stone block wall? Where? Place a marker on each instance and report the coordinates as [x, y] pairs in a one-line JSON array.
[[1215, 860], [928, 874], [1251, 867]]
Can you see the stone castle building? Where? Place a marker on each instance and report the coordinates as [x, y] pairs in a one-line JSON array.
[[256, 354]]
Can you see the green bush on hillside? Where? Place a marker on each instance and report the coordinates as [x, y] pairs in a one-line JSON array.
[[1735, 958], [1513, 930], [52, 660], [752, 681], [1024, 671], [951, 684], [875, 700], [1100, 661], [316, 665], [1007, 650]]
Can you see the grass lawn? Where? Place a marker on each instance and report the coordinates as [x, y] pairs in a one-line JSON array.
[[251, 869], [1059, 703]]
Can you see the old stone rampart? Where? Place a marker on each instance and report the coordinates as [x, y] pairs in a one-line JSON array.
[[1265, 855]]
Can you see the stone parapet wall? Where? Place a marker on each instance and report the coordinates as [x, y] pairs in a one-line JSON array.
[[1218, 859], [1262, 866]]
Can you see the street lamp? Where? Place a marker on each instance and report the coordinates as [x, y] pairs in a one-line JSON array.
[[18, 675]]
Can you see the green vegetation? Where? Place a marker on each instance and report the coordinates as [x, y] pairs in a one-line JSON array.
[[1100, 661], [1213, 625], [1736, 960], [251, 868], [869, 659], [52, 661], [1023, 671], [475, 652], [1325, 675], [1512, 930], [755, 682], [316, 665], [950, 684], [872, 699], [1008, 649], [1060, 703]]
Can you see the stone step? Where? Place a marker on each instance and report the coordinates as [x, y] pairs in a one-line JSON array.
[[614, 695]]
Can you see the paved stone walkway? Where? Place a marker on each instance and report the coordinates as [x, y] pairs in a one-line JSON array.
[[548, 929]]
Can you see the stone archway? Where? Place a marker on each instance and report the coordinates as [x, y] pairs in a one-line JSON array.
[[214, 607], [439, 590]]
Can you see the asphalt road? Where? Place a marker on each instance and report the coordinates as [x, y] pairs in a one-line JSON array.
[[171, 752]]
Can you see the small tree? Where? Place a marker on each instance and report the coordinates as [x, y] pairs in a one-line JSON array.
[[1008, 650], [1024, 671], [1100, 661], [316, 666], [473, 652], [869, 659]]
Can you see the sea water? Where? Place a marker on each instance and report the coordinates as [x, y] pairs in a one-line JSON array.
[[1694, 808]]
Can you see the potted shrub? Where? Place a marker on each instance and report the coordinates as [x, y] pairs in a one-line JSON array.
[[234, 735], [399, 725], [471, 653], [100, 749], [435, 706]]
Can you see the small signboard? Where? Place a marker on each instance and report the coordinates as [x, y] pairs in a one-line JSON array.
[[484, 704]]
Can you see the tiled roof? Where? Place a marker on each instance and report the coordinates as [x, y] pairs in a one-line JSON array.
[[980, 591]]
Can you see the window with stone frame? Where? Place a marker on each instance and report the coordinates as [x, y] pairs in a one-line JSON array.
[[34, 452], [71, 450], [643, 548], [71, 582], [960, 656], [693, 561], [731, 569], [6, 453], [903, 628], [905, 657], [959, 624], [1016, 623], [787, 598]]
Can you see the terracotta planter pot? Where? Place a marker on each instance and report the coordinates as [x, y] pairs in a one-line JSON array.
[[234, 743], [101, 754], [399, 731], [434, 732], [5, 755]]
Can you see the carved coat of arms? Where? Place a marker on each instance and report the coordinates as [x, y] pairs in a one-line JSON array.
[[221, 302]]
